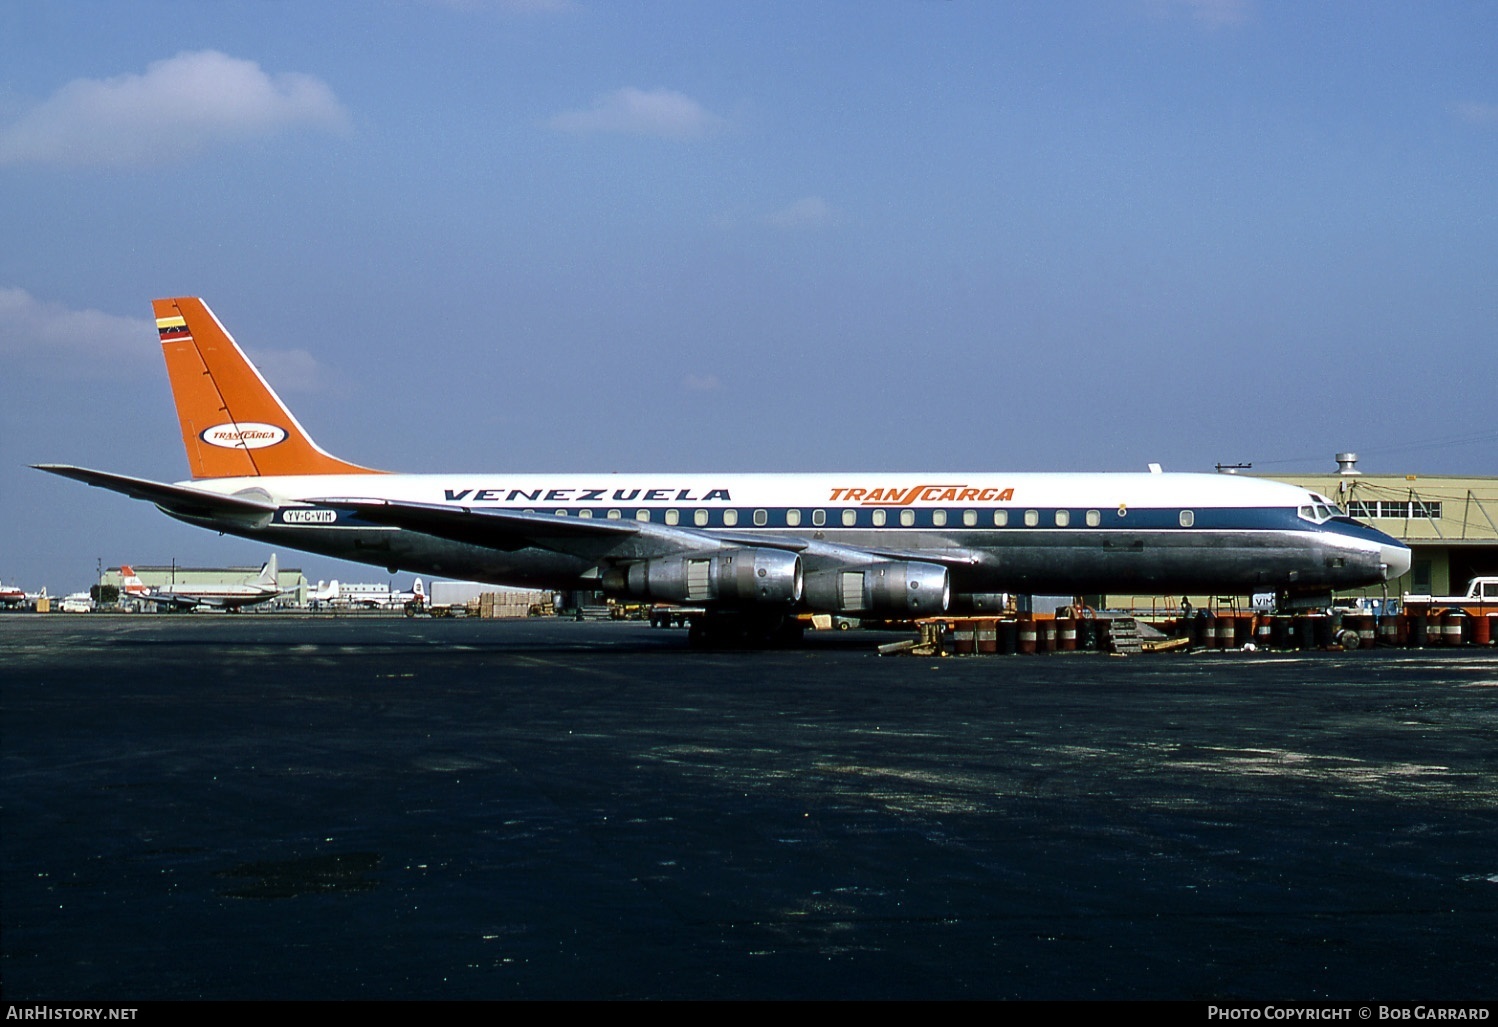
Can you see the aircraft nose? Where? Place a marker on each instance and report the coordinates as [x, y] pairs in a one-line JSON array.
[[1396, 560]]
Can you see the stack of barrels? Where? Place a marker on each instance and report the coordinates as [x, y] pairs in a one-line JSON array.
[[1415, 628], [983, 636]]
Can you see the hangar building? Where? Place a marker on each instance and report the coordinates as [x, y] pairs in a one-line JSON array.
[[1450, 523]]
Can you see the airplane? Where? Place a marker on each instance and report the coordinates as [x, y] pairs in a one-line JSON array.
[[10, 595], [334, 594], [751, 550], [214, 597], [417, 597], [323, 592]]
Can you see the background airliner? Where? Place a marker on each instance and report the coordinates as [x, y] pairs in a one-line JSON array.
[[750, 548], [264, 588]]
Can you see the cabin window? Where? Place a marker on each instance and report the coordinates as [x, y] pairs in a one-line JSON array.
[[792, 518], [1063, 518], [615, 515], [850, 518], [561, 513], [879, 518], [969, 518], [642, 515], [907, 518], [1188, 518], [730, 518], [586, 515], [699, 518], [673, 516], [1032, 518], [818, 518], [938, 517], [1000, 518], [1094, 518], [761, 518]]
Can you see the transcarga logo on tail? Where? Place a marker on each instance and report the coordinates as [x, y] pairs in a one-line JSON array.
[[245, 435]]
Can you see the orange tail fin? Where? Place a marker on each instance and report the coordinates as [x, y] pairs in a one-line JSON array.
[[233, 423]]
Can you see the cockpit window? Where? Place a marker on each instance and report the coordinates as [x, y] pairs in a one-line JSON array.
[[1318, 513]]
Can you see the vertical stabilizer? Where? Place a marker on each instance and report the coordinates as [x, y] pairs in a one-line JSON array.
[[270, 574], [233, 423], [130, 583]]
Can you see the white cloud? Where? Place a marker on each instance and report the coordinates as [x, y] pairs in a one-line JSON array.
[[807, 212], [1478, 113], [179, 106], [289, 370], [630, 111], [50, 339]]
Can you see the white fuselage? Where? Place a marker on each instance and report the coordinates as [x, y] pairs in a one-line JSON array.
[[1064, 533]]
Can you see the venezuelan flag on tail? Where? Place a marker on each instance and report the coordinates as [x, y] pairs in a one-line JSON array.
[[233, 423]]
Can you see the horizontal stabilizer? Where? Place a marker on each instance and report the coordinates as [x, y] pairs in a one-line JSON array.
[[174, 499]]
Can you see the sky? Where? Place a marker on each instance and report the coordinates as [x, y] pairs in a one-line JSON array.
[[897, 235]]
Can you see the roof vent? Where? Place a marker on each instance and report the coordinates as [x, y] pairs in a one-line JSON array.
[[1347, 463]]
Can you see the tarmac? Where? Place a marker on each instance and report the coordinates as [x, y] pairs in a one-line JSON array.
[[266, 807]]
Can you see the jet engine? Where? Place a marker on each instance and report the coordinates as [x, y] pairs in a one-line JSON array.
[[886, 589], [742, 577], [980, 602]]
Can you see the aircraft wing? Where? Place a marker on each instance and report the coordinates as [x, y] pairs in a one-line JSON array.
[[953, 557], [175, 499], [827, 554], [619, 539], [509, 530], [513, 529], [172, 599], [494, 529]]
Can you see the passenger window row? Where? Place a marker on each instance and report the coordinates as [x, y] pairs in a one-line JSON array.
[[879, 517]]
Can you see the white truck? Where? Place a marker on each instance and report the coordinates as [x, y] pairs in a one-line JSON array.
[[453, 598], [1481, 597], [77, 602]]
